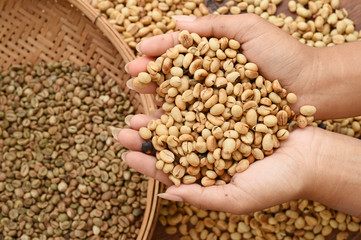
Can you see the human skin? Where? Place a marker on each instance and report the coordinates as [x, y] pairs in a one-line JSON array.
[[313, 163]]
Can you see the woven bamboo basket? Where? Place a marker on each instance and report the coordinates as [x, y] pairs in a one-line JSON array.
[[32, 31]]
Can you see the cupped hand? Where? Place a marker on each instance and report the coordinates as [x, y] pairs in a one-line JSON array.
[[278, 178], [277, 54], [312, 164]]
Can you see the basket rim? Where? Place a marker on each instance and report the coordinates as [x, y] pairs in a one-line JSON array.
[[154, 186], [105, 27]]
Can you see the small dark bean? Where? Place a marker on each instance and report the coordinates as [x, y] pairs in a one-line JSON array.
[[148, 148]]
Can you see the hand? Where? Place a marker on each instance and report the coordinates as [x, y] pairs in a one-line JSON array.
[[279, 178], [312, 164], [277, 54]]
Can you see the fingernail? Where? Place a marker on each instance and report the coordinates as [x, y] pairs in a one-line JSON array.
[[130, 84], [170, 197], [115, 132], [183, 18], [127, 67], [137, 47], [124, 154], [127, 119]]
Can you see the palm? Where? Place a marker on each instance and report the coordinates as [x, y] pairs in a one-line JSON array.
[[277, 54], [278, 178]]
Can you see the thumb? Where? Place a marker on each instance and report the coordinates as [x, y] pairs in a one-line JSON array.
[[243, 27], [221, 198]]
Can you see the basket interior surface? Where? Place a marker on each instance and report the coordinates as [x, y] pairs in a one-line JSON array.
[[47, 30], [34, 31]]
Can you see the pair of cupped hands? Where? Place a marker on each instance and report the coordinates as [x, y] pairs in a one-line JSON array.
[[312, 164]]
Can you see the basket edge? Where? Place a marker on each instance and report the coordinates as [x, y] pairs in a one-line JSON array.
[[154, 186]]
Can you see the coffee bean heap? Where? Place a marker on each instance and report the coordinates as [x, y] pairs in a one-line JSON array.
[[220, 116]]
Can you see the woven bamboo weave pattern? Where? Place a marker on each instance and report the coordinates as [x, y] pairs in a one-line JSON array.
[[32, 31]]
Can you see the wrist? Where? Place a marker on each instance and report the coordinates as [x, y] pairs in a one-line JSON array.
[[301, 150], [333, 81], [307, 82], [323, 75], [309, 161], [334, 172]]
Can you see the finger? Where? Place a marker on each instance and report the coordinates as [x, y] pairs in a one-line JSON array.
[[140, 120], [145, 164], [157, 45], [130, 139], [149, 89], [138, 65], [134, 68]]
